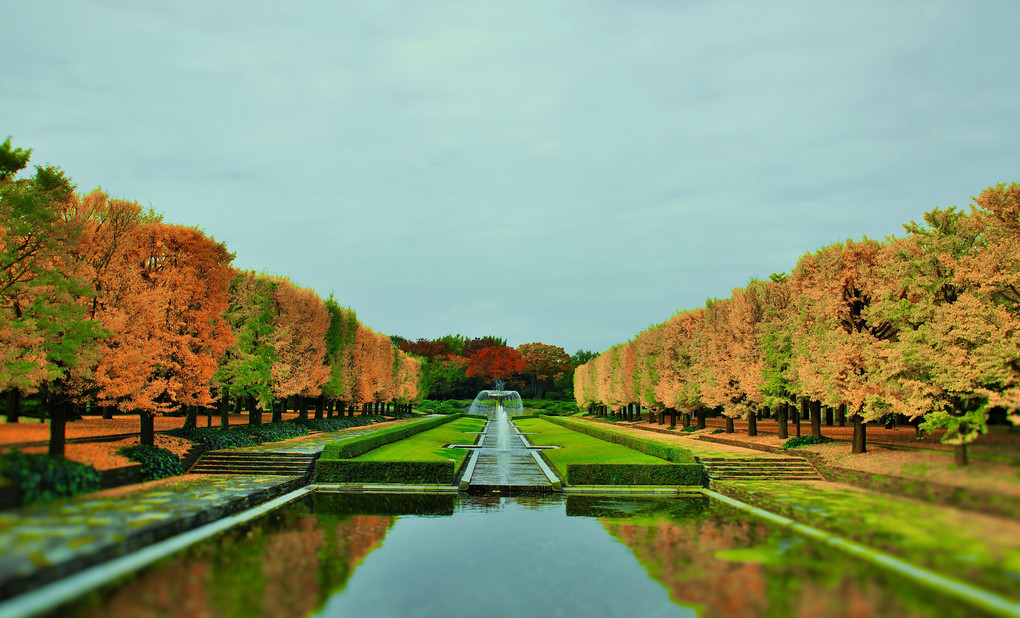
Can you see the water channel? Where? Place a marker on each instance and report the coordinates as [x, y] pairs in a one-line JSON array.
[[363, 554]]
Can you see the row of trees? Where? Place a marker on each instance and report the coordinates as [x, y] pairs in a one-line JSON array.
[[102, 302], [457, 367], [926, 326]]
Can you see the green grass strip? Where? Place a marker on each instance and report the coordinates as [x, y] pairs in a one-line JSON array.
[[429, 445], [587, 460], [655, 448], [350, 448]]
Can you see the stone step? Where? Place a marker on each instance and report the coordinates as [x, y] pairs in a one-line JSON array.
[[255, 463]]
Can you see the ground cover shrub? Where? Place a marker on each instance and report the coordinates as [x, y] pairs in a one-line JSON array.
[[244, 435], [41, 478], [717, 430], [675, 454], [691, 428], [633, 474], [157, 463], [805, 441], [337, 423]]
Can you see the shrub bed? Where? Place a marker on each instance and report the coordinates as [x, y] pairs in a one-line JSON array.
[[41, 478], [367, 471], [359, 445], [674, 454], [337, 423], [805, 441], [634, 474], [157, 463]]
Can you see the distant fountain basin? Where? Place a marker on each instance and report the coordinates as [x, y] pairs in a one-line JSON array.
[[499, 406]]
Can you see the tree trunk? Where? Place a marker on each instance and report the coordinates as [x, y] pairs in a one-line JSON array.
[[107, 413], [13, 405], [796, 421], [672, 417], [254, 414], [701, 417], [860, 435], [804, 408], [828, 416], [278, 407], [662, 417], [841, 415], [729, 425], [816, 419], [147, 435], [318, 407], [782, 419], [302, 407], [752, 423], [190, 417], [58, 421], [960, 454], [687, 419], [225, 410]]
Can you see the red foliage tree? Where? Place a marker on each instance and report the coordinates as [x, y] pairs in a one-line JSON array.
[[495, 363], [543, 363]]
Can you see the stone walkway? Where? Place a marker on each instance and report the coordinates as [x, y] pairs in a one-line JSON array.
[[512, 469], [43, 543]]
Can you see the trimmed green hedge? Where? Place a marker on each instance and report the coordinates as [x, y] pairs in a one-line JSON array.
[[407, 472], [359, 445], [676, 454], [41, 478], [805, 441], [157, 463], [634, 474]]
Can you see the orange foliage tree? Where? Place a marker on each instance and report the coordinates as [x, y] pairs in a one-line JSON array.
[[543, 363], [495, 362]]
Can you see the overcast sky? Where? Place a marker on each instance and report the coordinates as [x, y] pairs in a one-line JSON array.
[[563, 172]]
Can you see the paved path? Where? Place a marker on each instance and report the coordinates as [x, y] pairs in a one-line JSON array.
[[512, 468]]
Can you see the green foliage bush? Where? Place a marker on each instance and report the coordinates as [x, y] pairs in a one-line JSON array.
[[358, 445], [690, 429], [717, 430], [408, 472], [674, 454], [439, 407], [157, 463], [805, 441], [634, 474], [41, 478], [562, 408]]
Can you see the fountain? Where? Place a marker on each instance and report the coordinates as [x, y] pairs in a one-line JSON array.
[[499, 405]]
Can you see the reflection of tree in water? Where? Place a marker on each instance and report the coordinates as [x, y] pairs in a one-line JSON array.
[[730, 566], [286, 564]]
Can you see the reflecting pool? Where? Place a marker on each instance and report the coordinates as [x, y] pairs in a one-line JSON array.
[[458, 555]]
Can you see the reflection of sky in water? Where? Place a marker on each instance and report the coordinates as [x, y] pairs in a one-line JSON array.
[[505, 558]]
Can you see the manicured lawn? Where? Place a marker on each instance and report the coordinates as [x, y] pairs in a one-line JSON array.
[[576, 448], [960, 544], [428, 445]]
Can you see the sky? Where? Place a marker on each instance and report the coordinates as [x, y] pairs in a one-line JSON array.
[[564, 172]]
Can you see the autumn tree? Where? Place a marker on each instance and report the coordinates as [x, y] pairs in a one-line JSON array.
[[46, 341], [301, 320], [340, 350], [543, 363], [495, 363]]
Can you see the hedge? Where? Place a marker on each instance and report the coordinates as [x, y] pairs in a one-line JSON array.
[[157, 463], [41, 478], [407, 472], [634, 474], [359, 445], [674, 454]]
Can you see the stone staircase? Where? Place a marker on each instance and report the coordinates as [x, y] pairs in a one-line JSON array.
[[255, 463], [759, 469]]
